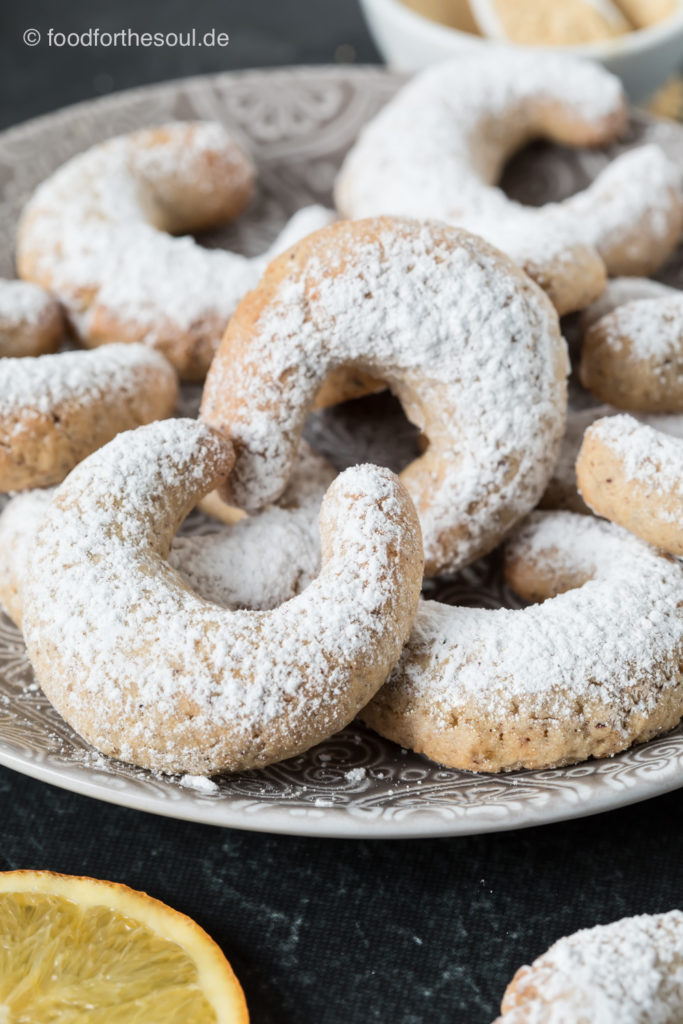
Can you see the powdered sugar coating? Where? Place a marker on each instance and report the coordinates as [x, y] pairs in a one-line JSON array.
[[633, 356], [646, 454], [43, 383], [30, 320], [632, 213], [646, 328], [19, 523], [257, 563], [627, 972], [468, 344], [22, 302], [570, 271], [464, 118], [266, 558], [587, 672], [620, 290], [56, 409], [632, 474], [96, 234], [148, 671], [562, 492]]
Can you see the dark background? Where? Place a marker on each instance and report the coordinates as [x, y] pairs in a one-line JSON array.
[[262, 33], [319, 931]]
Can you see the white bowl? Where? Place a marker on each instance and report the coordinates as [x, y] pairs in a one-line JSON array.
[[643, 59]]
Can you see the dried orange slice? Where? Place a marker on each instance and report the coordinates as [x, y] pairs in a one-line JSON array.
[[76, 949]]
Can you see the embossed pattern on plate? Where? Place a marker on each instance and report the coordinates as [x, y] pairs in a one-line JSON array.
[[298, 123]]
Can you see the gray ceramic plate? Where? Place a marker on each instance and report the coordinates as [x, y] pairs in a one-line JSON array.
[[298, 124]]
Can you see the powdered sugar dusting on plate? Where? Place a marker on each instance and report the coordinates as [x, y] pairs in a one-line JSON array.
[[200, 784]]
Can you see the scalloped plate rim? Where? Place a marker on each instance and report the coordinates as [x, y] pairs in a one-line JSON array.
[[243, 812], [331, 823]]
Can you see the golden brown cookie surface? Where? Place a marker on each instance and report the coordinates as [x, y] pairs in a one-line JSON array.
[[438, 150], [99, 234], [592, 669], [56, 409], [633, 356], [31, 322], [466, 341], [255, 562], [632, 474], [627, 972], [149, 672]]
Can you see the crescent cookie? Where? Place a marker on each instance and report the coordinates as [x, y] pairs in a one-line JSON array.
[[633, 357], [633, 474], [149, 672], [56, 409], [627, 972], [98, 233], [466, 341], [438, 149], [258, 562], [31, 321], [593, 669], [562, 490]]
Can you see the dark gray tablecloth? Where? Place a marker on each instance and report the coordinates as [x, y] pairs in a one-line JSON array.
[[319, 931]]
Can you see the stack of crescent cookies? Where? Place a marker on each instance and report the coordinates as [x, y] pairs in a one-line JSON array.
[[302, 608]]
